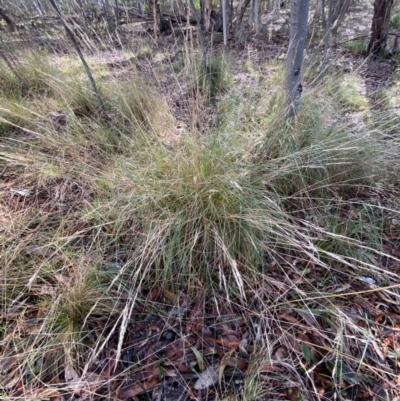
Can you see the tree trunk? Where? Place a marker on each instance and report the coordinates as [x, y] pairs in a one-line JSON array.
[[201, 37], [254, 16], [380, 26], [116, 12], [251, 14], [177, 7], [295, 55], [39, 8], [277, 8], [323, 19], [240, 13], [327, 42], [206, 14], [141, 5], [8, 20], [256, 11], [339, 12], [224, 21]]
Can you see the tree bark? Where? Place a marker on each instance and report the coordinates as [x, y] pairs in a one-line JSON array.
[[224, 22], [201, 38], [380, 26], [277, 8], [116, 12], [240, 13], [254, 17], [339, 11], [295, 55], [256, 11], [327, 42], [206, 14], [11, 24], [251, 14]]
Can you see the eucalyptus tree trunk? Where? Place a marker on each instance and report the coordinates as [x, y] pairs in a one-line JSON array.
[[251, 14], [256, 12], [380, 26], [116, 12], [320, 13], [327, 43], [176, 7], [8, 20], [295, 55], [141, 6], [224, 22], [201, 37], [240, 13], [277, 8], [206, 14], [254, 16], [339, 11]]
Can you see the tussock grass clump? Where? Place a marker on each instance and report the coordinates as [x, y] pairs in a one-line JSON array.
[[29, 77], [68, 294], [13, 117], [139, 109], [37, 78], [349, 93], [322, 157], [216, 80], [199, 210], [357, 46], [362, 225], [76, 94]]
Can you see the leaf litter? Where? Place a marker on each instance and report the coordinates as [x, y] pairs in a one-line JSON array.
[[192, 351]]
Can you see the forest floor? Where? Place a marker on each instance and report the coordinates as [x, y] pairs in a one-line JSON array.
[[187, 243]]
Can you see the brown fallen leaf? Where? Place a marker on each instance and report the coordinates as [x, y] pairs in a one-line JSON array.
[[289, 318], [9, 361], [171, 296], [173, 352], [268, 367], [302, 337], [281, 353], [15, 382], [291, 343], [230, 339], [236, 362], [136, 389], [78, 384], [207, 339], [109, 367]]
